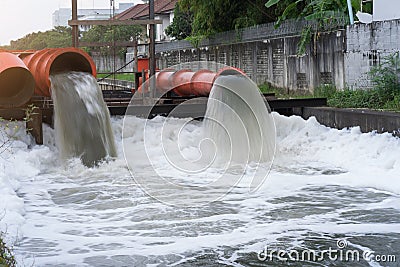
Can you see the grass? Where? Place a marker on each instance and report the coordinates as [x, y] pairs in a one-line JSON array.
[[384, 95], [282, 93], [7, 258], [370, 99], [119, 76], [375, 98]]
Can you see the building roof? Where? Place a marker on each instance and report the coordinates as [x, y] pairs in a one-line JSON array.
[[141, 11], [132, 12]]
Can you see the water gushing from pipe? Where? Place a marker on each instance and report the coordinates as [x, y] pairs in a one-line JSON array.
[[237, 121], [81, 118]]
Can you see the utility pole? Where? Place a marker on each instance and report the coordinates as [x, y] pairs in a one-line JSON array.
[[75, 29], [350, 8], [152, 51], [74, 23], [135, 54]]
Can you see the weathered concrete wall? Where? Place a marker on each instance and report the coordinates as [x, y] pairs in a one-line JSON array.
[[367, 45], [267, 54], [368, 120], [107, 63]]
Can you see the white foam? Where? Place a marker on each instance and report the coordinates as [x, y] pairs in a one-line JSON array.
[[69, 213], [370, 159]]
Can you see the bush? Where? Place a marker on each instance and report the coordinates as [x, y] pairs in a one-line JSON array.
[[6, 256], [385, 78], [385, 93], [326, 90]]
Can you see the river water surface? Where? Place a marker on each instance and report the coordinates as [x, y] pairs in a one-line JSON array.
[[327, 189]]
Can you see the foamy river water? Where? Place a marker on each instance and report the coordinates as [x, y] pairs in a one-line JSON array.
[[327, 190]]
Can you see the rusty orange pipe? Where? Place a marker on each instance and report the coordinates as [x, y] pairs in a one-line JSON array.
[[16, 81], [163, 82], [45, 62], [186, 82], [202, 82], [180, 81]]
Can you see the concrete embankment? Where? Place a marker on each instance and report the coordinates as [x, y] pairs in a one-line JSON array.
[[368, 120]]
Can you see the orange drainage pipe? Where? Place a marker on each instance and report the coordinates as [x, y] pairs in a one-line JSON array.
[[45, 62], [186, 82], [16, 81]]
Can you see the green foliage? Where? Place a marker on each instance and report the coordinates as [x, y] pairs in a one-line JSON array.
[[326, 90], [110, 34], [271, 3], [326, 13], [268, 88], [58, 37], [209, 16], [322, 11], [181, 26], [118, 76], [283, 93], [212, 16], [385, 93], [385, 77], [7, 258], [366, 7], [371, 99], [356, 99], [306, 35], [196, 40]]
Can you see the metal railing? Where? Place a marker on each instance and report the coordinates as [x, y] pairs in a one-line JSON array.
[[113, 84]]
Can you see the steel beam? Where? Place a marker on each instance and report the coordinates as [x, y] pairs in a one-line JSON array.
[[152, 51], [75, 29], [198, 110]]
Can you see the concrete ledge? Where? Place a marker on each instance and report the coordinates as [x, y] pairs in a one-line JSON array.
[[368, 120]]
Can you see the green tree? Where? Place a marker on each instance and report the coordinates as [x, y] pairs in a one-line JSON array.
[[181, 26], [57, 37], [326, 14], [212, 16], [110, 34], [322, 11]]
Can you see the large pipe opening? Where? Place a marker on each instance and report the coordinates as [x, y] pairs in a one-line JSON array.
[[71, 61], [45, 62], [16, 82]]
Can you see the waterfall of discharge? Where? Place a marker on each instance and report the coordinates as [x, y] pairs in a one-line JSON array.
[[81, 118], [238, 122]]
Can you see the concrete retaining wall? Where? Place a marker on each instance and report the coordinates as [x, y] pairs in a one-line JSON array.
[[343, 118], [267, 54], [274, 61], [367, 46], [107, 63], [342, 57]]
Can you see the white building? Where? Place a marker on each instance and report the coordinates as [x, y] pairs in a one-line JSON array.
[[84, 28], [62, 15], [167, 19], [163, 10], [385, 10]]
